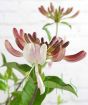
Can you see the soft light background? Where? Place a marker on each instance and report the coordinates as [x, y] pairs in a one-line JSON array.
[[24, 14]]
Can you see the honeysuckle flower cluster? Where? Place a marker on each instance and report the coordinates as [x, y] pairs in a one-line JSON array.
[[57, 14], [36, 51]]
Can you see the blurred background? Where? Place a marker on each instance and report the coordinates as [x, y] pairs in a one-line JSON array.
[[24, 14]]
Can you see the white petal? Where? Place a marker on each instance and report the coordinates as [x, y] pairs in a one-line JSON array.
[[43, 53], [29, 53], [33, 53], [37, 53], [40, 83]]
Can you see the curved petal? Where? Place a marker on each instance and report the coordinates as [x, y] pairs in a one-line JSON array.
[[40, 83], [68, 11], [51, 7], [19, 34], [54, 39], [26, 38], [76, 57], [43, 11], [15, 33], [59, 56], [22, 32], [12, 50], [20, 44], [19, 38]]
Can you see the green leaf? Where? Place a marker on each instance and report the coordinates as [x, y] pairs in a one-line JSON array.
[[3, 85], [14, 77], [67, 24], [17, 93], [39, 98], [26, 94], [2, 77], [17, 98], [8, 73], [23, 68], [3, 58], [56, 82], [30, 95], [32, 74]]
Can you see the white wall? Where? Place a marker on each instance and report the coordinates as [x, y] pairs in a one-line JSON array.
[[24, 14]]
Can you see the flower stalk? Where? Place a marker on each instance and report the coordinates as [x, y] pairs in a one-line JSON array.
[[56, 28]]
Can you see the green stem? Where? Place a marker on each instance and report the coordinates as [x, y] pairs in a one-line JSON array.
[[56, 28], [20, 84], [27, 75]]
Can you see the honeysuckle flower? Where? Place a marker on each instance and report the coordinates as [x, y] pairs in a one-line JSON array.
[[57, 48], [36, 54], [37, 51], [32, 51], [57, 14]]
